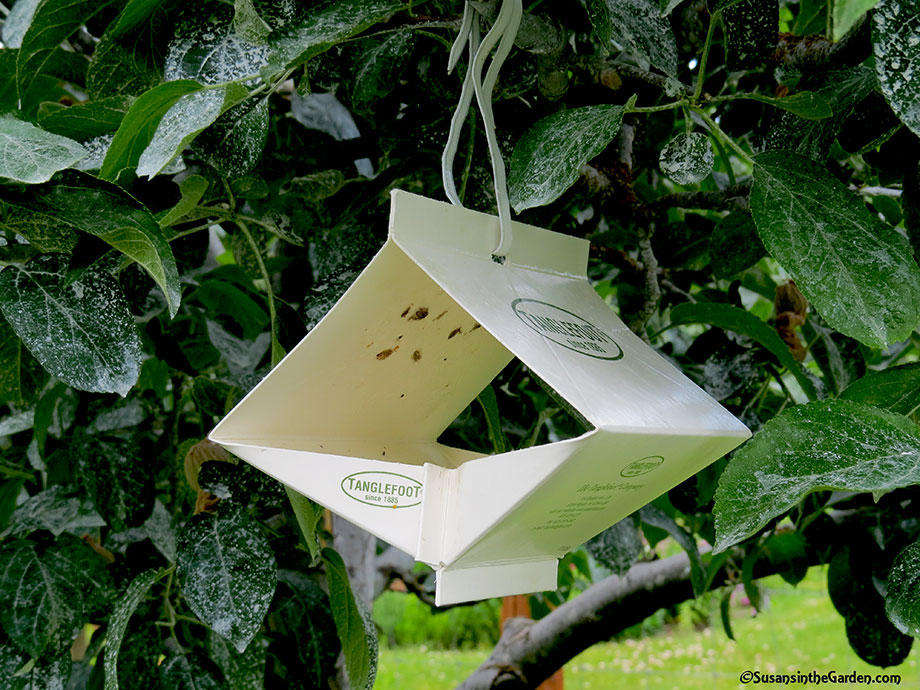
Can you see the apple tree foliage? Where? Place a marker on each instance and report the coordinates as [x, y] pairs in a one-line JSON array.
[[186, 188]]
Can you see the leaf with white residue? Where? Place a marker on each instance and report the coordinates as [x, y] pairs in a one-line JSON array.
[[548, 157], [227, 572], [118, 623], [188, 117], [833, 444], [902, 602], [618, 546], [854, 268], [321, 29], [91, 205], [896, 42], [32, 155], [809, 105], [56, 511], [17, 22], [638, 27], [244, 671], [192, 671], [90, 348], [687, 158], [377, 69]]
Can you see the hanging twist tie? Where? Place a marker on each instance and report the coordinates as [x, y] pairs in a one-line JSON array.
[[502, 33]]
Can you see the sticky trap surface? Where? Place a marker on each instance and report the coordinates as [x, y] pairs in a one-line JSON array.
[[351, 416]]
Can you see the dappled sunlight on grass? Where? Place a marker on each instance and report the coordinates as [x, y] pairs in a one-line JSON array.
[[799, 630]]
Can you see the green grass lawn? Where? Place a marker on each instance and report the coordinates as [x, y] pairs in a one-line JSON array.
[[798, 631]]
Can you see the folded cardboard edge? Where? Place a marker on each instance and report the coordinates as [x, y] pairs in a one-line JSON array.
[[454, 586], [532, 247]]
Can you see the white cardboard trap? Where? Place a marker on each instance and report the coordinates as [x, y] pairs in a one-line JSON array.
[[351, 416]]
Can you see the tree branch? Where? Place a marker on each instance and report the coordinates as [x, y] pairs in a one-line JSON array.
[[529, 652]]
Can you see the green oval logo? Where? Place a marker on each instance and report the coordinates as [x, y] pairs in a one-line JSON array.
[[643, 466], [567, 329], [383, 489]]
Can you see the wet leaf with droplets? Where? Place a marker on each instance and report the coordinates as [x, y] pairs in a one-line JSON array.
[[227, 572], [833, 444], [33, 155], [89, 347], [687, 158], [896, 42], [855, 269], [548, 157]]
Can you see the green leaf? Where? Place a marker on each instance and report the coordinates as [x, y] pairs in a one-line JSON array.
[[355, 628], [46, 595], [548, 157], [656, 517], [85, 120], [135, 14], [121, 487], [118, 623], [55, 510], [750, 28], [11, 365], [248, 24], [896, 42], [788, 553], [840, 358], [808, 105], [191, 115], [618, 546], [227, 571], [734, 245], [244, 671], [842, 90], [17, 22], [99, 208], [307, 617], [323, 28], [731, 318], [854, 268], [234, 143], [140, 124], [833, 444], [225, 299], [902, 602], [192, 671], [377, 69], [875, 640], [33, 155], [308, 515], [88, 347], [489, 404], [192, 189], [161, 529], [54, 21], [896, 389], [636, 26], [129, 62], [725, 613], [687, 158], [52, 672], [845, 14]]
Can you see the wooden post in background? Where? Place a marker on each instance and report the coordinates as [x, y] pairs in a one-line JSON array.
[[518, 607]]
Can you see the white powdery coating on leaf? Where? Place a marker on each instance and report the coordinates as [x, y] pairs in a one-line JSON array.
[[97, 147], [548, 157], [833, 444], [638, 27], [190, 115], [227, 572], [687, 158], [32, 155], [855, 269], [83, 333], [896, 40], [119, 624]]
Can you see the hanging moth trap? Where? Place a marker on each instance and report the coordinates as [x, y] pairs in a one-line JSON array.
[[351, 417]]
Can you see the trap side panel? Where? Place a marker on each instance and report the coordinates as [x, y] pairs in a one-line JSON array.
[[395, 358], [542, 308], [384, 498], [604, 478]]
